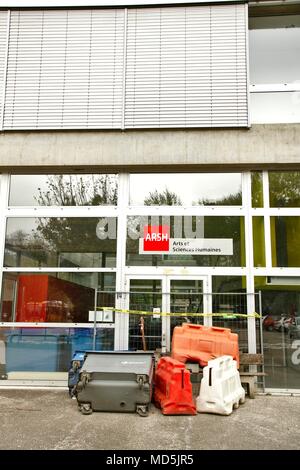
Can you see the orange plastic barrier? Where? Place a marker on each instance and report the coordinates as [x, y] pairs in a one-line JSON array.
[[198, 343], [173, 389]]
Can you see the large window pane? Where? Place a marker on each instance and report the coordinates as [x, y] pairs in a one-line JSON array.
[[60, 242], [63, 190], [208, 227], [281, 330], [186, 189], [285, 241], [258, 242], [274, 45], [284, 189], [54, 297], [45, 353], [228, 284], [257, 189]]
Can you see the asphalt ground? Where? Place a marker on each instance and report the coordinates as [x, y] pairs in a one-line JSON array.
[[49, 419]]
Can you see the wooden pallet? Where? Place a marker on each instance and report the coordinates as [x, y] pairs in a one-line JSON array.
[[250, 377]]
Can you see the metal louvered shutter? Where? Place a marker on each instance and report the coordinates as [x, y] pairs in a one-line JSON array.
[[187, 67], [65, 69], [3, 56]]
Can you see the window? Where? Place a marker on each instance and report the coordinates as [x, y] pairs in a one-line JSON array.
[[61, 242], [257, 189], [47, 350], [281, 330], [274, 45], [186, 189], [284, 188], [54, 297], [285, 241], [193, 227], [258, 241], [63, 190]]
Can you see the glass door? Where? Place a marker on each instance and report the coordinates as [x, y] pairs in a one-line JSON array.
[[146, 303], [187, 299], [153, 303]]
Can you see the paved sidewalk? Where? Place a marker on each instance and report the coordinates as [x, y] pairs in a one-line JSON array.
[[42, 419]]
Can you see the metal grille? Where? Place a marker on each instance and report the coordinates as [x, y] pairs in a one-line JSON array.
[[281, 335], [228, 306], [185, 297], [147, 319], [145, 332]]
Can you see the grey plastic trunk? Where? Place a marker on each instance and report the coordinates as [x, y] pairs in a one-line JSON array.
[[116, 381]]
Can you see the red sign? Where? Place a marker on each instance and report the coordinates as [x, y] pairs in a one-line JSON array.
[[156, 238]]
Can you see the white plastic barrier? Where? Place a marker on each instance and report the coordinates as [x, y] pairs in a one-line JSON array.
[[221, 389]]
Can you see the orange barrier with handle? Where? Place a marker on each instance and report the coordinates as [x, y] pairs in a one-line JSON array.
[[198, 343], [173, 389]]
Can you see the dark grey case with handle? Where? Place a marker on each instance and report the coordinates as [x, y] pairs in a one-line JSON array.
[[116, 381]]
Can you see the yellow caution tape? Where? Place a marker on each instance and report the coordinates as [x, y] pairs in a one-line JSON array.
[[181, 314]]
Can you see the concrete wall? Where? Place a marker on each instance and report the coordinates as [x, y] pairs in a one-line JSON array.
[[262, 146]]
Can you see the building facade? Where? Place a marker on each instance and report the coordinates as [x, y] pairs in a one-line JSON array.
[[150, 162]]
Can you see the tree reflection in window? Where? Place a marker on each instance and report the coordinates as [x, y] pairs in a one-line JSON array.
[[284, 189], [170, 198], [234, 199], [164, 198], [59, 242], [70, 190]]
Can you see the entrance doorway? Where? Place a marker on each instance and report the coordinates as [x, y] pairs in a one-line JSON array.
[[149, 298]]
